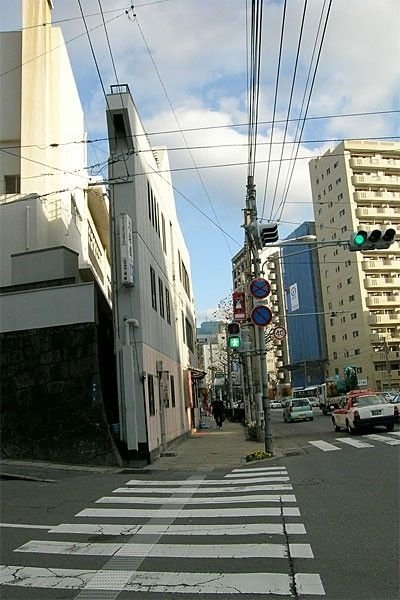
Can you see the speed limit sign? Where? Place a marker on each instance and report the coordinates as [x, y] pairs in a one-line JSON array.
[[279, 333]]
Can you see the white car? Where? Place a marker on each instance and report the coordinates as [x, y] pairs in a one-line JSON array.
[[365, 410], [275, 404]]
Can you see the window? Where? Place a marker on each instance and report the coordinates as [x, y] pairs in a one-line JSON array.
[[351, 298], [332, 322], [344, 228], [317, 181], [340, 197], [164, 238], [344, 337], [189, 335], [168, 305], [342, 212], [150, 393], [349, 279], [149, 200], [359, 369], [328, 171], [336, 164], [347, 263], [357, 351], [353, 316], [153, 288], [339, 285], [12, 184], [172, 381], [338, 180], [330, 187], [355, 333], [183, 327], [336, 371], [161, 297], [335, 355], [334, 338]]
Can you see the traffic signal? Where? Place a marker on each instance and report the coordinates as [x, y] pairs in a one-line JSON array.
[[268, 233], [371, 240], [234, 337]]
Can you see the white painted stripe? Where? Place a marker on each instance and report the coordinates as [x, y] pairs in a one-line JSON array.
[[394, 432], [169, 550], [24, 526], [200, 482], [382, 438], [178, 530], [151, 581], [213, 490], [206, 513], [245, 474], [215, 500], [355, 443], [324, 446], [269, 469]]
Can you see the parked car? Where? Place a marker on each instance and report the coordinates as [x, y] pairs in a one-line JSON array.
[[395, 399], [297, 409], [275, 404], [361, 411]]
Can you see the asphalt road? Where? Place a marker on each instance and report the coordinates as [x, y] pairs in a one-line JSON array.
[[347, 500]]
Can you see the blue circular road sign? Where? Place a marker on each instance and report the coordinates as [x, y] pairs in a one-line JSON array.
[[260, 288], [261, 315]]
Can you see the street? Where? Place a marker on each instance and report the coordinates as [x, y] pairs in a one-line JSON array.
[[312, 523]]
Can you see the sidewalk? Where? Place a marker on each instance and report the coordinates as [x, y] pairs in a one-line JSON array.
[[211, 449]]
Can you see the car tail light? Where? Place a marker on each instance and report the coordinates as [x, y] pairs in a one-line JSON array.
[[396, 410], [356, 415]]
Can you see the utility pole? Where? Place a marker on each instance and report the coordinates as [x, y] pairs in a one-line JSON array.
[[252, 245], [388, 369]]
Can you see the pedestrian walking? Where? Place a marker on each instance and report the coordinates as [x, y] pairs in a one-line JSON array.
[[218, 409]]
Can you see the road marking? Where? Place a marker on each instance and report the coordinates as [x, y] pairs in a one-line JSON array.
[[206, 513], [324, 446], [224, 551], [382, 438], [200, 482], [25, 526], [394, 432], [153, 581], [355, 443], [177, 530], [268, 469], [245, 475], [214, 500], [213, 490]]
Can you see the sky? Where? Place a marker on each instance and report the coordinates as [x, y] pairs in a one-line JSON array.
[[186, 64]]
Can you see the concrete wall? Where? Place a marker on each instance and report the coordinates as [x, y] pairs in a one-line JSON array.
[[40, 308]]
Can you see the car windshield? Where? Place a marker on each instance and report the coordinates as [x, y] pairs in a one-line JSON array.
[[300, 402], [369, 400]]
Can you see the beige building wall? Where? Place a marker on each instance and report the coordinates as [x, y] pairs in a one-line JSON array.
[[357, 186], [43, 151]]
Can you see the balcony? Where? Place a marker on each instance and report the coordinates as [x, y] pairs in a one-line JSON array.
[[376, 196], [373, 162], [385, 319], [386, 264], [379, 338], [380, 180], [381, 282], [381, 356], [378, 213], [382, 300]]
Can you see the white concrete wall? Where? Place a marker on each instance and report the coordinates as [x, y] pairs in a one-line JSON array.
[[35, 309]]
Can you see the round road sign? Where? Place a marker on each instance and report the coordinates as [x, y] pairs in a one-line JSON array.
[[260, 288], [279, 333], [261, 315]]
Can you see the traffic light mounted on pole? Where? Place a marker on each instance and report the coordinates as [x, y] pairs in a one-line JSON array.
[[234, 336], [268, 233], [371, 240]]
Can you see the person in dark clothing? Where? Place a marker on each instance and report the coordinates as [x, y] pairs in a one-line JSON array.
[[218, 409]]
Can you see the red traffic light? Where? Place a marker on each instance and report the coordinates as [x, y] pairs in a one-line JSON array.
[[233, 328]]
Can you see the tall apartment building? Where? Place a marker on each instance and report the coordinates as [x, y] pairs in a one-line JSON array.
[[357, 186]]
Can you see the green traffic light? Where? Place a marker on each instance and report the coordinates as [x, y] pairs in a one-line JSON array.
[[359, 239], [234, 341]]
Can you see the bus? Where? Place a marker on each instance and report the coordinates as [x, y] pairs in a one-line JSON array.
[[316, 394]]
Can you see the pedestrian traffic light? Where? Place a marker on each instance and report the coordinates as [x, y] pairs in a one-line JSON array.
[[268, 233], [234, 336], [371, 240]]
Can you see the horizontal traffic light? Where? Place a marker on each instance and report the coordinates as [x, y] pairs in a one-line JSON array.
[[371, 240]]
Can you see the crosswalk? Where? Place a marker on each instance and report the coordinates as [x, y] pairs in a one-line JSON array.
[[390, 439], [234, 535]]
